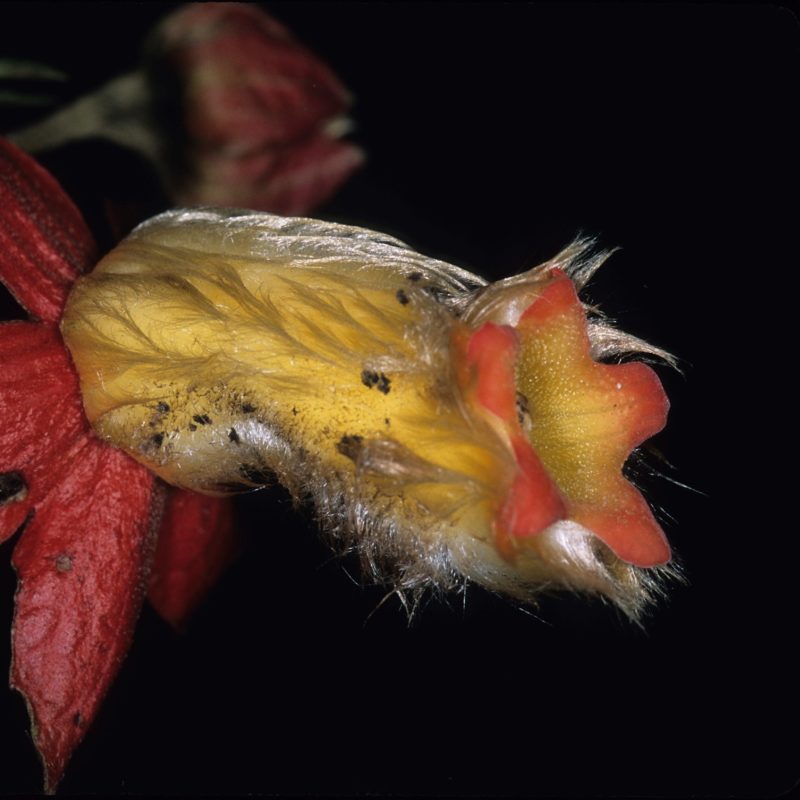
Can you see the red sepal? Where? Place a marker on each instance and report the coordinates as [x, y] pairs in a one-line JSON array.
[[82, 568], [197, 541], [44, 242], [43, 419]]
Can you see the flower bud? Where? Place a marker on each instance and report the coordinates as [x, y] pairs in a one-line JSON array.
[[253, 116]]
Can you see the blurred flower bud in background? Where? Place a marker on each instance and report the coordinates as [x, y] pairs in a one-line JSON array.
[[257, 118], [228, 108]]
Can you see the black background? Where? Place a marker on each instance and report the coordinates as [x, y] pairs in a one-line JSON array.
[[495, 133]]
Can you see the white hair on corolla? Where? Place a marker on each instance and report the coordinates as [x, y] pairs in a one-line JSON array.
[[321, 353]]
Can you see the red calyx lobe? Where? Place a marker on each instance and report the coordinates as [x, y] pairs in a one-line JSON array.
[[44, 243], [88, 510], [42, 415], [81, 564], [197, 541], [84, 555]]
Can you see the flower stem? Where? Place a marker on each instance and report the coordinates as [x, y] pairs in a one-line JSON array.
[[119, 111]]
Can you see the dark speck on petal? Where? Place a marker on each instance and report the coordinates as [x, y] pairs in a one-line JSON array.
[[63, 563], [369, 378], [350, 446], [384, 384]]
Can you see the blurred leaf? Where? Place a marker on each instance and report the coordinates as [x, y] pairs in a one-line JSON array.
[[16, 69]]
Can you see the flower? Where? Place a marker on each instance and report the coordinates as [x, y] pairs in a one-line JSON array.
[[90, 515], [230, 110], [447, 429]]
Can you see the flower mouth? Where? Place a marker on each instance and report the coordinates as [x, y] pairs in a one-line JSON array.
[[570, 423]]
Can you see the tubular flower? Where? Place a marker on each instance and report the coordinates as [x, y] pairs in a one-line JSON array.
[[449, 429], [89, 514]]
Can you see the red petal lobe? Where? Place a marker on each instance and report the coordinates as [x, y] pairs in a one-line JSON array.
[[492, 351], [630, 529], [533, 501]]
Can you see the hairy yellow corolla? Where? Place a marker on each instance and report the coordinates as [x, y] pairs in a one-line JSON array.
[[451, 429]]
